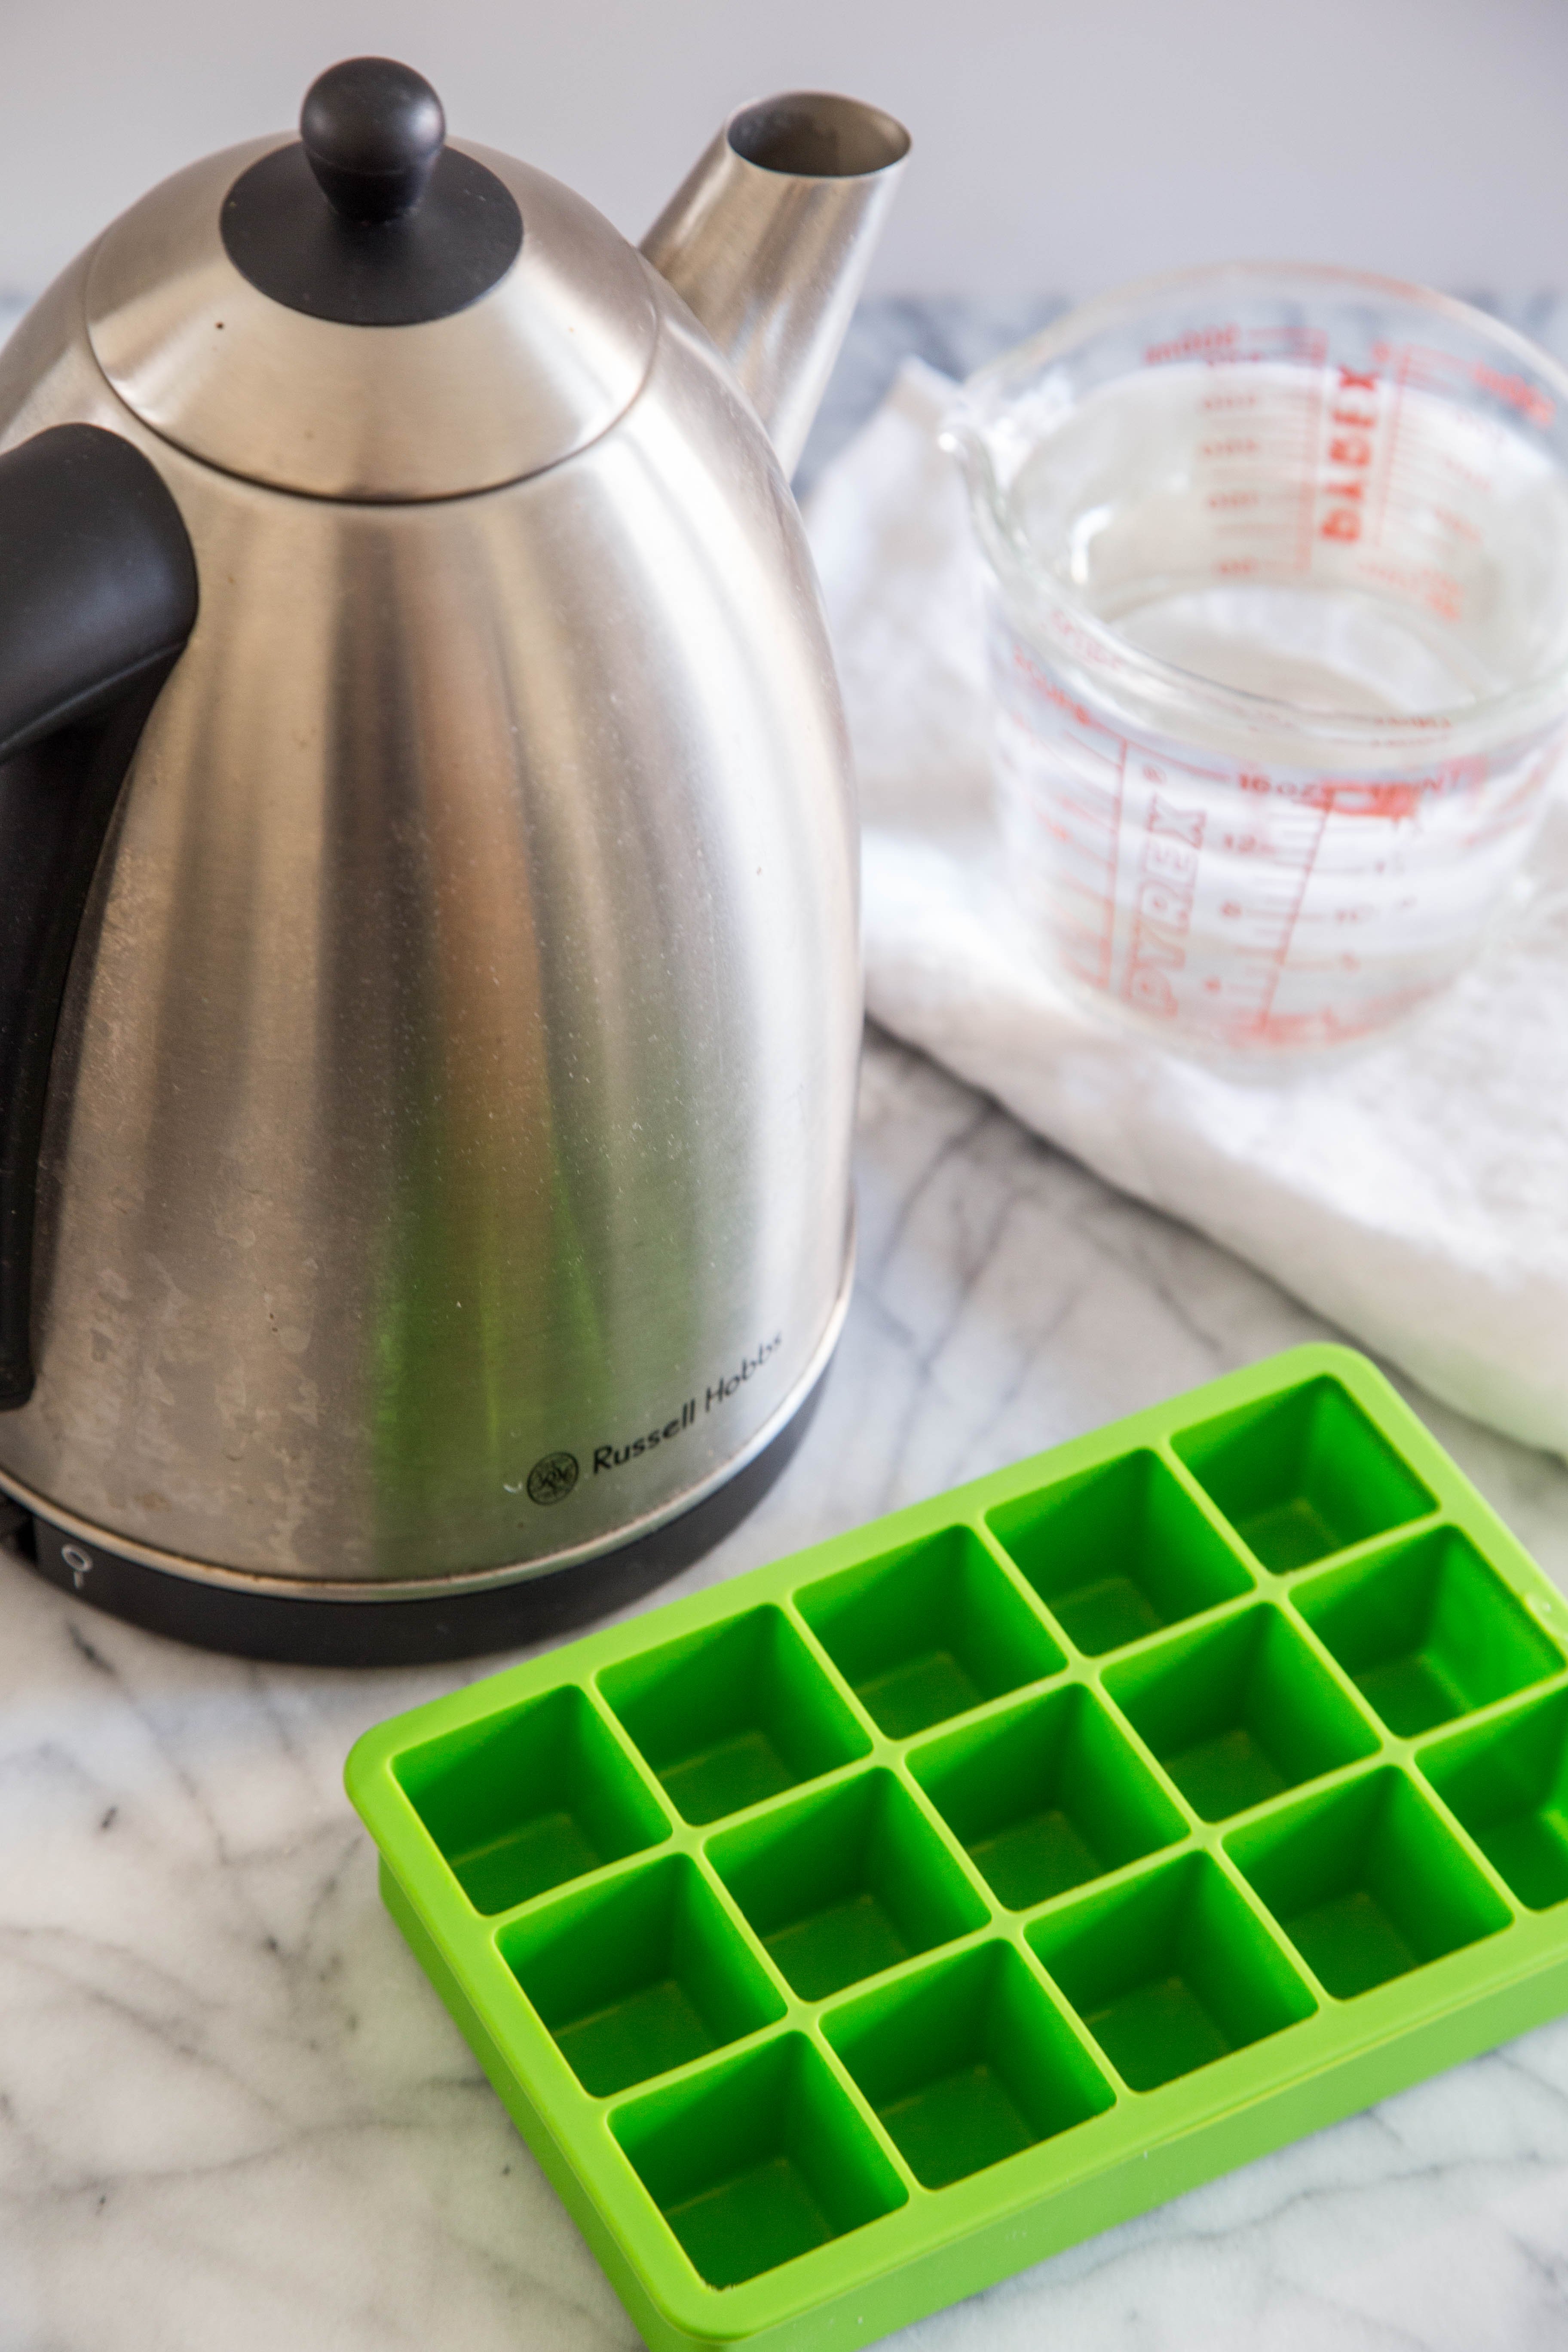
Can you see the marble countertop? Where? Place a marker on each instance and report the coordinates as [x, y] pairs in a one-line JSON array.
[[234, 2113]]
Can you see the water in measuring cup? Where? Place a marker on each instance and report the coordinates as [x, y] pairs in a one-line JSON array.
[[1370, 550]]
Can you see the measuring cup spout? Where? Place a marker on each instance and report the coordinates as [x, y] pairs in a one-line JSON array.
[[768, 240]]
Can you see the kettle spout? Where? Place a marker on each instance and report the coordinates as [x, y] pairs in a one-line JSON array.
[[769, 238]]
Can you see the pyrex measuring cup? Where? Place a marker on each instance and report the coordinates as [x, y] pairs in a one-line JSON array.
[[1279, 642]]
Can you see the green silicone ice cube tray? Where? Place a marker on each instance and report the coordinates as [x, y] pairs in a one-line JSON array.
[[845, 1937]]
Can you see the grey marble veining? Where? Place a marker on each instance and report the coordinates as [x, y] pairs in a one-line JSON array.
[[234, 2114]]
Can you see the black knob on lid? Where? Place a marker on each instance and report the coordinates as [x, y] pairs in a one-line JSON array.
[[371, 219], [373, 130]]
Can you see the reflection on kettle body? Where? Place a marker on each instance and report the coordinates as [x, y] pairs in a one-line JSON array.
[[456, 1066]]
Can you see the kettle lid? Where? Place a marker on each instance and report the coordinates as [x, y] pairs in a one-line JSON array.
[[367, 313]]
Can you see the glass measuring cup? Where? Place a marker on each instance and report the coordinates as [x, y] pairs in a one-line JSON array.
[[1279, 637]]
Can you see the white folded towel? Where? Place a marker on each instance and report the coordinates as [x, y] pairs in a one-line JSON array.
[[1416, 1195]]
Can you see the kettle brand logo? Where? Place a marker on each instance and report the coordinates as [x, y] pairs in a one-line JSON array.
[[551, 1478], [554, 1477]]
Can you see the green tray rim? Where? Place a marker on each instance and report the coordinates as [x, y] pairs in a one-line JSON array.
[[1451, 2008]]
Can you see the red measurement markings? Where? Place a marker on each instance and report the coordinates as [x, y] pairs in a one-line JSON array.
[[1037, 681], [1453, 525], [1450, 371], [1423, 583], [1253, 444], [1419, 475], [1196, 343], [1168, 873], [1520, 807], [1531, 403], [1390, 801], [1083, 790], [1304, 500], [1251, 483], [1113, 864], [1307, 858], [1454, 470], [1227, 342], [1353, 796], [1350, 453], [1401, 377]]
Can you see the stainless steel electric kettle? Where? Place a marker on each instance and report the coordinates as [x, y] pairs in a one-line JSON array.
[[429, 992]]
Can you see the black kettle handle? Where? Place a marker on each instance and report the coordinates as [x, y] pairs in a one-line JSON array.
[[98, 595]]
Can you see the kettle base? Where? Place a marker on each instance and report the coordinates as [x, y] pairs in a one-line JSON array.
[[405, 1633]]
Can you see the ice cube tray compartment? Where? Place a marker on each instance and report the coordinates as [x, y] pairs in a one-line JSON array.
[[641, 1976], [928, 1631], [1302, 1474], [1239, 1712], [1046, 1796], [733, 1713], [1120, 1553], [540, 1794], [1505, 1783], [847, 1937], [1426, 1632], [1367, 1883], [1171, 1972], [967, 2064], [758, 2162], [845, 1883]]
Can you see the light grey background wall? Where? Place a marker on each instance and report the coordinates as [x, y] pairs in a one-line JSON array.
[[1060, 144]]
